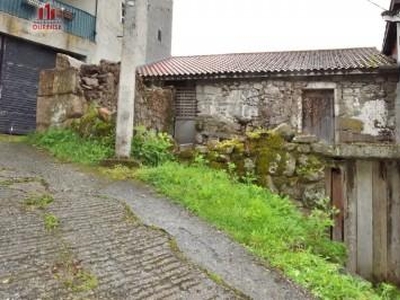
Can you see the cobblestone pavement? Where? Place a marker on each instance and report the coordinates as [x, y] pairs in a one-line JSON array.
[[99, 250], [69, 234]]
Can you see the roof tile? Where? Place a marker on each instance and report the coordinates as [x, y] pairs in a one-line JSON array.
[[269, 62]]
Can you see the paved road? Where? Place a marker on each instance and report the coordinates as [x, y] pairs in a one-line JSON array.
[[101, 250]]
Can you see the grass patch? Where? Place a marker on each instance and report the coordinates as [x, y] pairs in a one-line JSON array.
[[12, 181], [216, 278], [51, 221], [39, 201], [82, 281], [71, 273], [268, 225], [68, 145], [11, 138], [118, 172], [129, 216]]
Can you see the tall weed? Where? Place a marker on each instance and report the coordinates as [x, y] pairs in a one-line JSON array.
[[152, 148]]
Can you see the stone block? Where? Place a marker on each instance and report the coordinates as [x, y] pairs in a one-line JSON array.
[[322, 148], [66, 82], [57, 82], [285, 130], [92, 82], [316, 176], [304, 148], [202, 149], [64, 61], [46, 82], [55, 110], [43, 113], [305, 139], [290, 165]]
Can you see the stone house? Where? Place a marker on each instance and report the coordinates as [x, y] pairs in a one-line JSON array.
[[341, 95], [89, 30]]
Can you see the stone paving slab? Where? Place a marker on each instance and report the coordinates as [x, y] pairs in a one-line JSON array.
[[98, 251]]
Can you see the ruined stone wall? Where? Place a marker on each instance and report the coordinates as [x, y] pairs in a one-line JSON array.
[[154, 107], [99, 84], [66, 93], [364, 105]]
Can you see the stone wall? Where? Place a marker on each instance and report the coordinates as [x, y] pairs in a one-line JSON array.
[[287, 164], [66, 92], [154, 107], [100, 84], [364, 105]]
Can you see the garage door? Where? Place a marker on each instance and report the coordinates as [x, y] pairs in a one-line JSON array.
[[20, 65]]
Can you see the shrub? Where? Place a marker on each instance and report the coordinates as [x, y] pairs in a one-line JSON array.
[[92, 127], [152, 148]]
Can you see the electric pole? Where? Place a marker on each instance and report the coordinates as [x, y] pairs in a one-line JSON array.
[[132, 55]]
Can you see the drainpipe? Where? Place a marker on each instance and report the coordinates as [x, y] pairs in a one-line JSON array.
[[96, 12], [394, 17]]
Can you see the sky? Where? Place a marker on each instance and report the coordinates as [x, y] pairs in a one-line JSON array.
[[229, 26]]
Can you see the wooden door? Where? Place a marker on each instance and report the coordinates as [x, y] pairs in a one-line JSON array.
[[318, 114]]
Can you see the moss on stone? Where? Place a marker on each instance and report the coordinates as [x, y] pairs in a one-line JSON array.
[[309, 165], [90, 125], [351, 124], [269, 153], [229, 146]]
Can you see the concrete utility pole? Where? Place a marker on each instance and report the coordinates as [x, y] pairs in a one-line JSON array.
[[133, 54]]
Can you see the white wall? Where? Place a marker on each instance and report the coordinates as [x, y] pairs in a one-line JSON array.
[[86, 5], [109, 31]]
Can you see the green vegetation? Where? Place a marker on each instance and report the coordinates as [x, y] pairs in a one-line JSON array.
[[129, 216], [268, 225], [71, 273], [86, 147], [11, 138], [51, 221], [152, 148], [82, 281], [10, 182], [68, 145], [39, 201]]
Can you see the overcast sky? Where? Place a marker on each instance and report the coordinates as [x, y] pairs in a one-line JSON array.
[[226, 26]]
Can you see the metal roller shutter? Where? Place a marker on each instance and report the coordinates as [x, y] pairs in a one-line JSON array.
[[20, 65], [186, 111]]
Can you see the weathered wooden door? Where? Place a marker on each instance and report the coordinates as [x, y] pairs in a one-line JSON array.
[[318, 114]]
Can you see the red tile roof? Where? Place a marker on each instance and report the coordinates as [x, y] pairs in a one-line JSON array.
[[268, 62]]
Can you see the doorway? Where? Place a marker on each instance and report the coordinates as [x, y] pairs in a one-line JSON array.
[[318, 114]]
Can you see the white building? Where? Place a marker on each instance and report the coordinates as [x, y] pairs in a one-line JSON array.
[[33, 31]]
